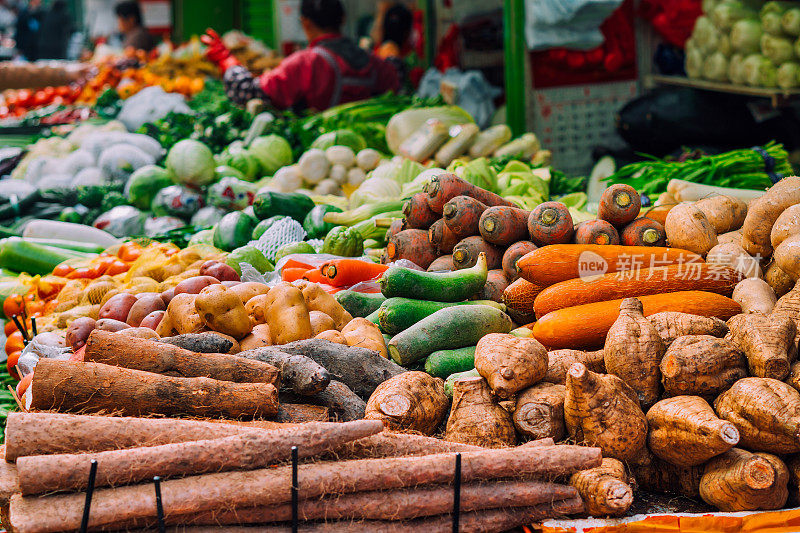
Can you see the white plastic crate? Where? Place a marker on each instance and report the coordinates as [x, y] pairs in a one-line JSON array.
[[570, 121]]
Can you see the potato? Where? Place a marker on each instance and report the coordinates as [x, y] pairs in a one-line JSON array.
[[787, 224], [194, 285], [142, 284], [139, 333], [779, 280], [219, 270], [152, 320], [96, 290], [229, 284], [109, 324], [787, 256], [333, 336], [732, 236], [734, 256], [246, 291], [688, 228], [258, 338], [181, 316], [167, 295], [79, 331], [145, 304], [755, 296], [363, 333], [287, 314], [318, 300], [67, 317], [724, 213], [256, 308], [320, 322], [223, 311], [117, 307]]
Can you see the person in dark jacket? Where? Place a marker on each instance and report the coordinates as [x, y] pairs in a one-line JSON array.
[[134, 34], [55, 32], [26, 35], [331, 71]]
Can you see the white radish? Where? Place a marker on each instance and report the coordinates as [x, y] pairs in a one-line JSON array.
[[368, 159], [338, 174], [314, 166], [287, 179], [356, 176], [341, 155]]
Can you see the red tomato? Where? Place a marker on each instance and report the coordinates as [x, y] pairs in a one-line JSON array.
[[62, 91], [40, 98], [35, 308], [23, 385], [9, 328], [13, 305], [62, 270], [11, 363], [14, 342], [117, 267], [81, 273], [24, 97], [129, 252]]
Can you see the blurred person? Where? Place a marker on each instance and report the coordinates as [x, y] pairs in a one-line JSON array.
[[55, 32], [29, 21], [330, 71], [129, 21], [392, 30], [8, 18]]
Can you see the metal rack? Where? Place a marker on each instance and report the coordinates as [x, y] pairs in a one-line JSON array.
[[777, 97]]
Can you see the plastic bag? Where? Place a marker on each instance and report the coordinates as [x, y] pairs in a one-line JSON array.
[[121, 221], [566, 23], [475, 94]]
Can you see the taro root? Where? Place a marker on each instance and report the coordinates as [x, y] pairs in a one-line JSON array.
[[476, 418], [701, 365], [510, 363], [413, 401], [604, 489], [673, 324], [539, 411], [743, 481], [767, 342]]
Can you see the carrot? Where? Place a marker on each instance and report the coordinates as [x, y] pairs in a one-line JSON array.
[[347, 272], [586, 326], [619, 205], [396, 227], [441, 237], [551, 264], [550, 223], [315, 275], [462, 215], [442, 188], [512, 254], [659, 213], [466, 252], [502, 225], [412, 244], [644, 232], [596, 232], [417, 212], [292, 274], [442, 264], [633, 283], [294, 263]]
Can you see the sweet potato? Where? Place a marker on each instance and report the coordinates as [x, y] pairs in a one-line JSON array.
[[724, 213], [476, 418], [787, 256], [755, 296], [742, 481], [786, 225], [779, 280], [767, 342], [512, 254], [633, 351], [223, 311], [331, 335], [643, 232], [596, 232], [320, 322], [603, 411], [496, 284], [466, 252], [258, 338], [605, 489], [194, 285], [442, 238], [502, 226], [550, 223], [619, 205], [510, 364], [363, 333], [139, 333], [788, 306], [732, 236], [539, 411], [701, 365], [411, 401], [287, 314], [733, 256], [559, 362], [671, 325], [765, 411], [109, 324], [414, 245], [764, 211], [688, 228], [417, 213], [685, 431], [462, 215]]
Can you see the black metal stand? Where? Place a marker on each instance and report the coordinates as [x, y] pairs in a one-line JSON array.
[[294, 490], [89, 493], [457, 494], [33, 327], [159, 505]]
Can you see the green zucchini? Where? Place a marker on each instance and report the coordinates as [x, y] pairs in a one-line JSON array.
[[448, 328], [442, 363], [448, 383], [442, 286], [360, 303], [397, 314], [373, 317], [233, 230], [292, 204], [68, 245], [18, 254]]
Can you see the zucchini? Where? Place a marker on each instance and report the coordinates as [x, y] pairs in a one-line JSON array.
[[443, 363], [448, 383], [443, 286], [360, 303], [373, 317], [68, 245], [397, 314], [292, 204], [448, 328], [22, 256], [233, 231]]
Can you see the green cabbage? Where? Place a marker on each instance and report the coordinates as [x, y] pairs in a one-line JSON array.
[[715, 67], [771, 23], [477, 172], [347, 138], [746, 37], [243, 161], [759, 71], [776, 49], [727, 12], [705, 35], [787, 76], [694, 63], [403, 124], [399, 169], [518, 180], [272, 152], [790, 22], [142, 185], [735, 74], [191, 163]]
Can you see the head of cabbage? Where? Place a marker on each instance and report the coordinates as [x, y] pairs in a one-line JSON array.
[[272, 153], [191, 163]]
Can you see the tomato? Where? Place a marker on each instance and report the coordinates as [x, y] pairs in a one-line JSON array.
[[35, 308], [11, 363], [49, 286], [62, 270], [23, 385], [13, 305], [9, 328], [24, 97], [62, 91], [81, 273], [129, 252], [117, 267], [14, 342], [40, 98]]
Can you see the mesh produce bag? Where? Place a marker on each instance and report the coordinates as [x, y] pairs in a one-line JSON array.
[[284, 231]]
